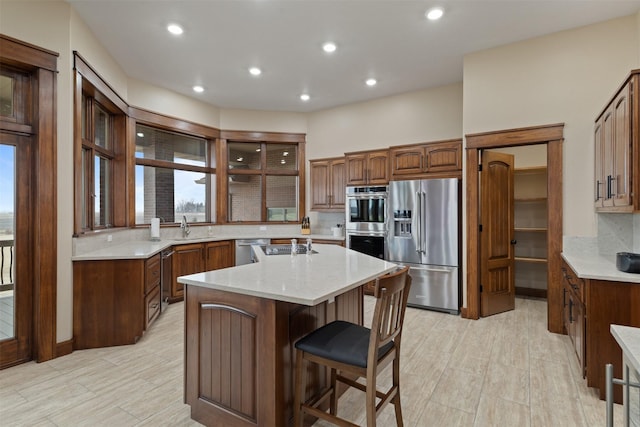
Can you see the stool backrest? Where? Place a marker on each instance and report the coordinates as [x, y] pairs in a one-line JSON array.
[[391, 292]]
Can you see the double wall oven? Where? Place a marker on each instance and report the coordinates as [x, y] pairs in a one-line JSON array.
[[365, 223]]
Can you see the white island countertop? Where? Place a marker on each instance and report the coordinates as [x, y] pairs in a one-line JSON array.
[[629, 340], [301, 279]]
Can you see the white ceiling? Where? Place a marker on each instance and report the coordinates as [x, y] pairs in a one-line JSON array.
[[390, 40]]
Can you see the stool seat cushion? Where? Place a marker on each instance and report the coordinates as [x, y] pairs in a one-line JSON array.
[[341, 341]]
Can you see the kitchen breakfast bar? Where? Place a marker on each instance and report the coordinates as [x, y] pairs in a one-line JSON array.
[[241, 324]]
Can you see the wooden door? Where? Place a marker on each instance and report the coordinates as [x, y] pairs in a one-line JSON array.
[[378, 167], [320, 191], [620, 191], [337, 178], [497, 279], [219, 255], [187, 259]]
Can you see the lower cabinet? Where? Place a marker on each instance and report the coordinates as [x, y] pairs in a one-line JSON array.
[[114, 301], [196, 258], [574, 313], [590, 308]]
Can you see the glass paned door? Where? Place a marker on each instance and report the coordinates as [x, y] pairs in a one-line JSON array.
[[7, 240]]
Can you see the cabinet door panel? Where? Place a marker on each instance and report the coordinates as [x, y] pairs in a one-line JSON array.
[[607, 155], [406, 161], [338, 181], [356, 165], [621, 149], [219, 255], [320, 190], [187, 259], [378, 168], [600, 183], [443, 157]]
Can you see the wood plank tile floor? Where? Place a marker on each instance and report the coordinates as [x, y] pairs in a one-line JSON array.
[[506, 370]]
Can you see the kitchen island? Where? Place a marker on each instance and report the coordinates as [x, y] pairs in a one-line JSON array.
[[241, 323]]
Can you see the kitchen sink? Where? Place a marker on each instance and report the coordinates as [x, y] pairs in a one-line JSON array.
[[284, 249]]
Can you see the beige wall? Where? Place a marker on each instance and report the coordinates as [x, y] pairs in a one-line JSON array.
[[264, 121], [153, 98], [565, 77], [426, 115]]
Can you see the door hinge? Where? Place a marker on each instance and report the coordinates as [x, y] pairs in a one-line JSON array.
[[480, 228], [479, 168], [480, 288]]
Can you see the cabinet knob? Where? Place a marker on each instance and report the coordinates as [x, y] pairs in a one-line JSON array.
[[514, 241]]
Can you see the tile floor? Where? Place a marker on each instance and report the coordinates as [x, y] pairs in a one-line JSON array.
[[506, 370]]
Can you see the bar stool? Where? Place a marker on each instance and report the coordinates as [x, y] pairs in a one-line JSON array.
[[355, 351]]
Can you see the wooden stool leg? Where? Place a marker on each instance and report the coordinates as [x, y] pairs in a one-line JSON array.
[[299, 394], [396, 400], [333, 406], [370, 400]]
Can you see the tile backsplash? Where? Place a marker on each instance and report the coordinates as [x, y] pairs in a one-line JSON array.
[[618, 233]]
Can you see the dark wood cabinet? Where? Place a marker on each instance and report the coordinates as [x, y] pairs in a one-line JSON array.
[[616, 138], [187, 259], [114, 301], [435, 159], [327, 184], [220, 255], [367, 167], [574, 313], [590, 308], [198, 257]]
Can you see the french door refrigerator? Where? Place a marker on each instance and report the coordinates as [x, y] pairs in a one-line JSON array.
[[424, 234]]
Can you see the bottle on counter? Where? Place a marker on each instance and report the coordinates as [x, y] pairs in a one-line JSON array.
[[294, 247]]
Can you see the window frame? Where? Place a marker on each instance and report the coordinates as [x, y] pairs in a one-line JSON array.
[[91, 89], [170, 124], [264, 139]]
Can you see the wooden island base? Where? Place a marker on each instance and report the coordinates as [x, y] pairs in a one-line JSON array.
[[240, 356]]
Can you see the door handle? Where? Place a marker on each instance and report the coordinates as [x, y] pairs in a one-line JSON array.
[[418, 222]]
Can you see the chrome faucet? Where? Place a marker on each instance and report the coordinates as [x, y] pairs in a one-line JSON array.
[[185, 226]]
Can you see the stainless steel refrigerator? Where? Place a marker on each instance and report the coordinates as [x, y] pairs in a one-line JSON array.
[[424, 234]]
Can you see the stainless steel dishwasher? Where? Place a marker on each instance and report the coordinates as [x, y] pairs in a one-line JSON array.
[[243, 249]]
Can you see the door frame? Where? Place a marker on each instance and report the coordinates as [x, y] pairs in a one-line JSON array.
[[42, 65], [552, 136]]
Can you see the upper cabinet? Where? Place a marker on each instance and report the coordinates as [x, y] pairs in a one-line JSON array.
[[328, 179], [367, 167], [617, 153], [436, 159]]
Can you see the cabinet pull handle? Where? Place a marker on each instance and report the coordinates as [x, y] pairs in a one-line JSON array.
[[612, 193], [570, 311], [598, 184], [608, 186]]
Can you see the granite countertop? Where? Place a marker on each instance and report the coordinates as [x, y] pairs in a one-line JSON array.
[[629, 340], [588, 265], [142, 249], [301, 279]]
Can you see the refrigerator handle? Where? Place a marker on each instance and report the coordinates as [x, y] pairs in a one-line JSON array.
[[418, 206], [423, 228]]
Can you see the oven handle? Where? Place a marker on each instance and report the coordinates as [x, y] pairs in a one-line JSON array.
[[367, 196], [367, 233]]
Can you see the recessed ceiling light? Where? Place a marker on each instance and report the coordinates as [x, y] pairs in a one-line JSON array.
[[329, 47], [255, 71], [198, 89], [305, 97], [140, 134], [434, 14], [371, 82], [175, 29]]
